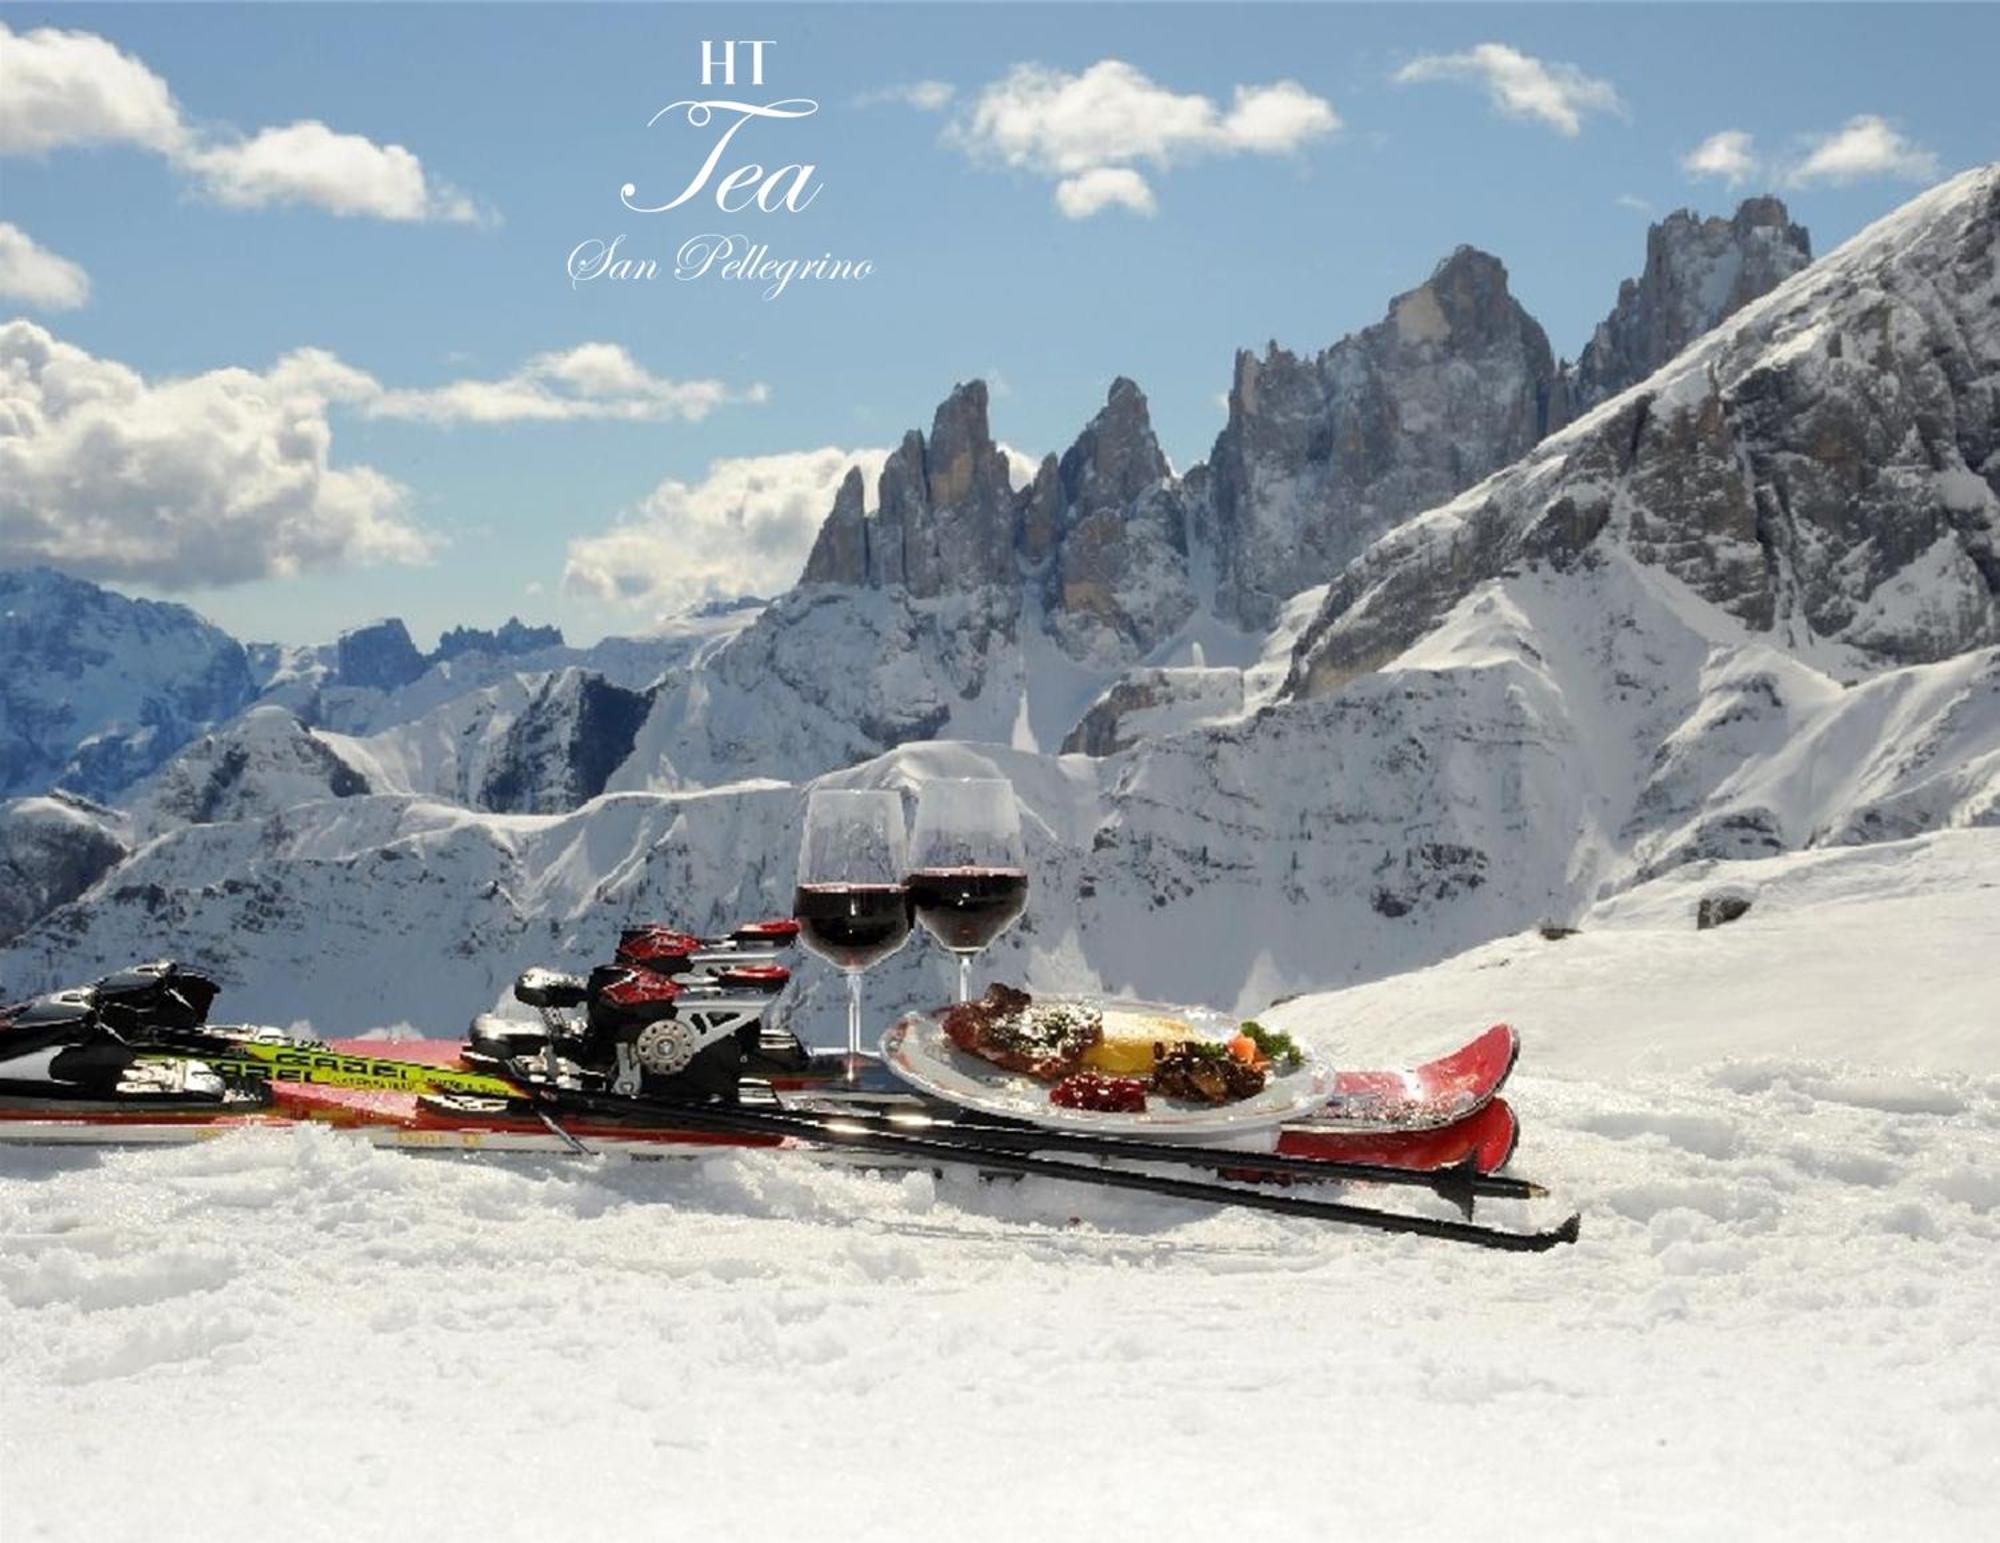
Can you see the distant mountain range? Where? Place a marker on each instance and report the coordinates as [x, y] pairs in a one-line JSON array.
[[1444, 638]]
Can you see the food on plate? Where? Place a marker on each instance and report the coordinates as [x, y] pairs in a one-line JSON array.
[[1121, 1055], [1101, 1095], [1008, 1029], [1204, 1073], [1273, 1045], [1110, 1064]]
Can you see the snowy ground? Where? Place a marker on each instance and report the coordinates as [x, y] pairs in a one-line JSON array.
[[1785, 1135]]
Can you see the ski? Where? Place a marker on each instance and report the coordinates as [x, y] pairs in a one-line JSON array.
[[356, 1090], [675, 1054], [988, 1156]]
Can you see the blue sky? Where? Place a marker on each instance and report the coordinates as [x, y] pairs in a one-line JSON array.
[[530, 119]]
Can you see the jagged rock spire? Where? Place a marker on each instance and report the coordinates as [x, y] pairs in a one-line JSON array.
[[1698, 272], [1322, 455]]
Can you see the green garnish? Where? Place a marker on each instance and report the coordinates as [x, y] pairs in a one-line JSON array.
[[1274, 1045]]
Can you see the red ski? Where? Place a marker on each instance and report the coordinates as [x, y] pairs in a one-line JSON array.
[[1442, 1092]]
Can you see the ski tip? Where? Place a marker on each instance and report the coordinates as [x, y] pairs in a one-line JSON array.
[[1569, 1231]]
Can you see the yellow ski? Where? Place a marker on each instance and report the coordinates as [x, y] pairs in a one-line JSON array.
[[326, 1067]]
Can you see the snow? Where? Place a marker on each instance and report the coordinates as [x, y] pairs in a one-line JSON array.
[[1780, 1310]]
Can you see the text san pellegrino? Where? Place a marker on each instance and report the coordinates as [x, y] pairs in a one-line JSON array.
[[714, 126]]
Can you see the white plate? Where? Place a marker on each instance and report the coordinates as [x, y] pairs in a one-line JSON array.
[[918, 1051]]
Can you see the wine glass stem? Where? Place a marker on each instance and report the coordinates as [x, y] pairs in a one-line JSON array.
[[965, 977], [853, 1024]]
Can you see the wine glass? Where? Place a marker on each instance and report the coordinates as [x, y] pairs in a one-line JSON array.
[[852, 904], [968, 873]]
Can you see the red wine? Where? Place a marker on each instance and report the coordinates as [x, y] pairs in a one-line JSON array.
[[852, 926], [967, 908]]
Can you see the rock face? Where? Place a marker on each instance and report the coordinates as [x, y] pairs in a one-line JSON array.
[[945, 513], [1111, 534], [561, 750], [1322, 455], [52, 850], [1147, 703], [97, 690], [509, 639], [1698, 274], [263, 763], [379, 656], [1097, 542], [1825, 469]]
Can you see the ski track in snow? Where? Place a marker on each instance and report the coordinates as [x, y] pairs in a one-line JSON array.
[[1778, 1323]]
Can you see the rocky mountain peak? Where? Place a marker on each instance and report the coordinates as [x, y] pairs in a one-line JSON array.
[[1116, 457], [512, 637], [1322, 455], [945, 516], [840, 550], [1824, 468], [98, 689], [1698, 273], [379, 655], [1465, 302], [963, 467], [1118, 584]]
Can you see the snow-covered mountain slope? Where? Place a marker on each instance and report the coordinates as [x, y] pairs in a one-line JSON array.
[[1825, 467], [1506, 711], [52, 849], [1879, 955], [524, 744], [259, 765], [1525, 762], [1777, 1322], [96, 690], [317, 694]]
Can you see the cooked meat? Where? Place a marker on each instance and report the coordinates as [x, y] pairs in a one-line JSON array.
[[1006, 1028], [1203, 1074]]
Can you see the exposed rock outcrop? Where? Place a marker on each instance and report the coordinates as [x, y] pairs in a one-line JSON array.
[[51, 850], [511, 638], [1144, 703], [1698, 274], [945, 515], [379, 656], [1322, 455], [97, 689], [264, 762], [561, 750], [1824, 468]]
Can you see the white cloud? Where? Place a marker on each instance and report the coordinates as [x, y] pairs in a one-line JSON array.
[[36, 276], [1520, 85], [60, 89], [217, 478], [1104, 187], [308, 163], [74, 88], [590, 381], [928, 96], [1634, 202], [1867, 146], [1729, 155], [224, 477], [1089, 133], [744, 528]]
